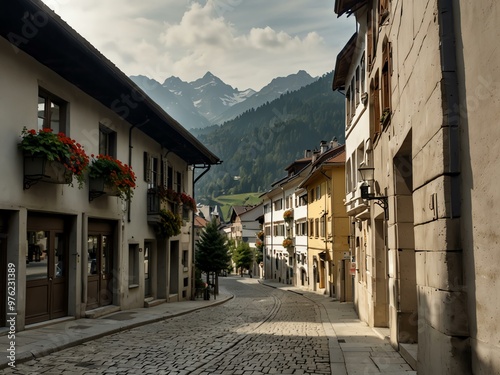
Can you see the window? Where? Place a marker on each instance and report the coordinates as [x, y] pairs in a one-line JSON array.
[[357, 85], [178, 182], [375, 107], [322, 227], [51, 112], [370, 39], [362, 68], [348, 106], [311, 228], [311, 195], [170, 178], [316, 228], [301, 228], [279, 230], [278, 204], [185, 257], [318, 192], [107, 141], [133, 265], [151, 170], [267, 230], [267, 208], [386, 82]]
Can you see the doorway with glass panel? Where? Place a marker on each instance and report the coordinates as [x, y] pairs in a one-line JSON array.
[[46, 269], [100, 264]]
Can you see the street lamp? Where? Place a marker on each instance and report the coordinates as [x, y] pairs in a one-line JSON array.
[[367, 174]]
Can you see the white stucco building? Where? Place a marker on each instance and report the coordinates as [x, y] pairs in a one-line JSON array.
[[75, 252]]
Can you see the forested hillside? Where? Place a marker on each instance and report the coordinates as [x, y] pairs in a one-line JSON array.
[[256, 146]]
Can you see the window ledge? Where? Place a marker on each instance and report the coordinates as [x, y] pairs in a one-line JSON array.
[[133, 286]]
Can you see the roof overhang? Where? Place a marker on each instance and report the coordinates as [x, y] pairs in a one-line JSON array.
[[53, 43], [343, 64], [348, 6]]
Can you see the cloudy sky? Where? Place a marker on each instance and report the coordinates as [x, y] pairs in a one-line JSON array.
[[246, 43]]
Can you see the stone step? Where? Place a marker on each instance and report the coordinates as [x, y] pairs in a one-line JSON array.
[[101, 311]]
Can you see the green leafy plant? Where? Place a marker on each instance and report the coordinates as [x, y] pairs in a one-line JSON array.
[[114, 173], [170, 224], [56, 147]]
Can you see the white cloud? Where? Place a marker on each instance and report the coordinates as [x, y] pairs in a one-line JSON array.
[[244, 42]]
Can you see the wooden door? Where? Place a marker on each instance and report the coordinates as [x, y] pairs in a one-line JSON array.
[[99, 266], [46, 269]]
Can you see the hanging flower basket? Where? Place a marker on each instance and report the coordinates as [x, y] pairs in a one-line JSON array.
[[259, 245], [287, 243], [169, 225], [53, 158], [288, 216], [188, 201], [110, 176]]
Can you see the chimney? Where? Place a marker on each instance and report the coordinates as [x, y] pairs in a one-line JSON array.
[[307, 154], [334, 143], [323, 146]]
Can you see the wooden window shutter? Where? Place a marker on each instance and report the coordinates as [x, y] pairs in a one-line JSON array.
[[369, 40], [147, 167], [164, 174]]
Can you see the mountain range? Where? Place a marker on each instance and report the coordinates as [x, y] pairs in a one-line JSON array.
[[208, 100], [258, 144]]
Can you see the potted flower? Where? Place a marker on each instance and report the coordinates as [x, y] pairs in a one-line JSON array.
[[110, 176], [259, 244], [288, 215], [51, 157], [260, 235], [287, 242], [169, 225], [188, 201]]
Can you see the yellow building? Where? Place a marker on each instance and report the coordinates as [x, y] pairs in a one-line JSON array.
[[328, 223]]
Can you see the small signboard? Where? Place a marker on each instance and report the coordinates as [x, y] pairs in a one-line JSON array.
[[352, 270]]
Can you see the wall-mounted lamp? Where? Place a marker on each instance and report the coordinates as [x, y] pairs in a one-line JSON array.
[[367, 174]]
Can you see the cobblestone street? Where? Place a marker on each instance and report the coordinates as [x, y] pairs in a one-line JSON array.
[[261, 331]]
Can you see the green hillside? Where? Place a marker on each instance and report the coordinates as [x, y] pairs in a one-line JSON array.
[[256, 146], [225, 202]]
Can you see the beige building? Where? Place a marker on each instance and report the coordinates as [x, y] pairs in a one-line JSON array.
[[420, 83], [74, 252]]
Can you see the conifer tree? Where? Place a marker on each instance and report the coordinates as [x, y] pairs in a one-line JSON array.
[[243, 256], [212, 251]]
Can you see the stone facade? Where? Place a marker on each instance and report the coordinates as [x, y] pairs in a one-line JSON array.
[[431, 65]]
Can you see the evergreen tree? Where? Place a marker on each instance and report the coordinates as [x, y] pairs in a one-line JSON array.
[[243, 256], [212, 252]]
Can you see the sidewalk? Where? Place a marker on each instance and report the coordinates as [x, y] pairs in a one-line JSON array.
[[355, 348], [39, 341]]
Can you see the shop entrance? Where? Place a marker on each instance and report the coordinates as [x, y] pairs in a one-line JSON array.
[[46, 269], [100, 265]]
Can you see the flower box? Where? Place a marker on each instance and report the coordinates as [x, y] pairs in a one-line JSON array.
[[110, 176], [53, 158], [98, 186], [39, 169]]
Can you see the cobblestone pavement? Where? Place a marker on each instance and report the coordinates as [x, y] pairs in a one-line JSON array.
[[261, 331]]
